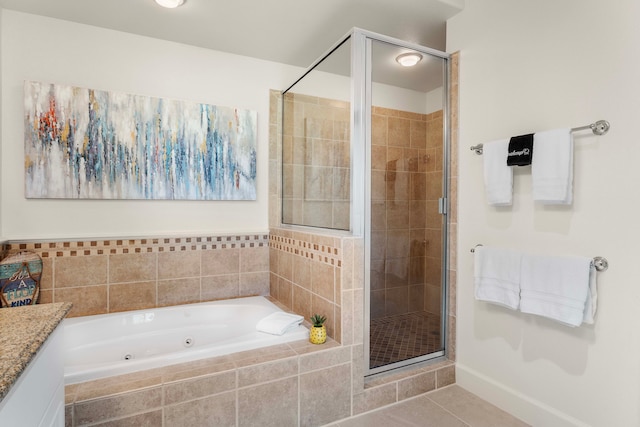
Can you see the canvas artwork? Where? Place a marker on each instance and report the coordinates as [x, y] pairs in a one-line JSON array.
[[91, 144]]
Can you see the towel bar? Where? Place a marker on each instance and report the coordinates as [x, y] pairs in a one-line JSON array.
[[598, 128], [600, 263]]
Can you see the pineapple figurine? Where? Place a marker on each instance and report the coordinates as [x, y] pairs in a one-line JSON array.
[[318, 332]]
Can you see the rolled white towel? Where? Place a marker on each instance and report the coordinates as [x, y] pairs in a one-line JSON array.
[[279, 323]]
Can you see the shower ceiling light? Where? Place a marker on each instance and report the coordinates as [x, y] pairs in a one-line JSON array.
[[409, 59], [170, 3]]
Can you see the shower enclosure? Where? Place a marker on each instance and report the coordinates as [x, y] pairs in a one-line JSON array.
[[365, 150]]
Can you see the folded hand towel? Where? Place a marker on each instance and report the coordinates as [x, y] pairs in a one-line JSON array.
[[558, 288], [520, 150], [278, 323], [552, 167], [497, 276], [498, 177]]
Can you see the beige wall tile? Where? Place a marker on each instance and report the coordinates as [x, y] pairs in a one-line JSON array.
[[86, 301], [265, 372], [285, 292], [132, 296], [262, 355], [174, 265], [418, 134], [132, 267], [254, 283], [220, 261], [182, 391], [399, 132], [333, 403], [397, 301], [374, 398], [285, 265], [218, 410], [416, 385], [46, 280], [379, 130], [124, 404], [254, 259], [346, 318], [147, 419], [220, 287], [445, 376], [178, 291], [116, 385], [302, 302], [68, 415], [325, 359], [278, 404], [323, 280], [45, 296], [80, 271], [302, 271]]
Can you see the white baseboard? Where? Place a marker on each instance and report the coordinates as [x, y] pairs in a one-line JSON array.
[[529, 410]]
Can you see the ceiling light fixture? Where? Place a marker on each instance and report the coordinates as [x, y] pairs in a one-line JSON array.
[[409, 59], [170, 3]]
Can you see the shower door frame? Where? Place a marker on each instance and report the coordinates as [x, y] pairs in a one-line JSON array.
[[361, 70]]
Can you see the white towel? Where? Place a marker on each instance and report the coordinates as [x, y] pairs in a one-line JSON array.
[[552, 167], [592, 297], [278, 323], [497, 276], [560, 288], [498, 177]]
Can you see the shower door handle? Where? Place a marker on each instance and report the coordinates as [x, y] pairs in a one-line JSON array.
[[442, 205]]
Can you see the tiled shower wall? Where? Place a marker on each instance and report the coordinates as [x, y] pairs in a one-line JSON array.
[[105, 276], [406, 236], [316, 162]]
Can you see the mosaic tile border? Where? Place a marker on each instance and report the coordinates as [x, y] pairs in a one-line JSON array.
[[314, 251], [131, 246]]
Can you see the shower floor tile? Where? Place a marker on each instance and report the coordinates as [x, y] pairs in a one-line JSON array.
[[402, 337]]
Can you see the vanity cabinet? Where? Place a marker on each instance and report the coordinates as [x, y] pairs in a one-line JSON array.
[[36, 399]]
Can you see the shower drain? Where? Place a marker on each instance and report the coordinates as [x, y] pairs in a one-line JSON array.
[[188, 342], [128, 356]]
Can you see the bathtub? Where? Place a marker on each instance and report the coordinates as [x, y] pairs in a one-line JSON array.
[[111, 344]]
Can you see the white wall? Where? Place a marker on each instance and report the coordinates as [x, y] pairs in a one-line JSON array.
[[528, 66], [49, 50]]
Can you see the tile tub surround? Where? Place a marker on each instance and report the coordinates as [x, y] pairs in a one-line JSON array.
[[106, 276], [24, 330], [306, 275], [291, 384]]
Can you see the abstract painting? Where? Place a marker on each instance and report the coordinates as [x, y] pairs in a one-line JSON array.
[[92, 144]]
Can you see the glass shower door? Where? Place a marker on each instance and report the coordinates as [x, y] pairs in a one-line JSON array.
[[408, 226]]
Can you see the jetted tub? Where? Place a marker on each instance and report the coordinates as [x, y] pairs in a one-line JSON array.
[[112, 344]]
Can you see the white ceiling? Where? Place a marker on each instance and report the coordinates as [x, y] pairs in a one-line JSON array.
[[294, 32]]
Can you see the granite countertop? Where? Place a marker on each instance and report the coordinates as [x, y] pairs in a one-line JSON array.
[[23, 330]]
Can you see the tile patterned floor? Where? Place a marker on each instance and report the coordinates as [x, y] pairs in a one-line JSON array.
[[403, 337], [450, 406]]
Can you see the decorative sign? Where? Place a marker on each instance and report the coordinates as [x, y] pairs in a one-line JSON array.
[[20, 279], [92, 144]]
